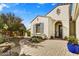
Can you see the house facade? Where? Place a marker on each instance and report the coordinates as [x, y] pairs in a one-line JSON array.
[[60, 22]]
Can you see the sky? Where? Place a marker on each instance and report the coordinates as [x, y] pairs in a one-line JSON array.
[[27, 11]]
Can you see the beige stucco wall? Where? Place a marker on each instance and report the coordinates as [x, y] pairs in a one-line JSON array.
[[41, 19], [50, 19], [63, 17], [50, 28], [77, 27]]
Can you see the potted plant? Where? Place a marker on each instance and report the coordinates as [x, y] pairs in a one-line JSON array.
[[73, 45]]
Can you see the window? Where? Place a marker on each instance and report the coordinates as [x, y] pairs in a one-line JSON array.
[[37, 28], [58, 11]]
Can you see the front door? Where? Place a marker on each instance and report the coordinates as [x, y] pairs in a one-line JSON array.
[[60, 31]]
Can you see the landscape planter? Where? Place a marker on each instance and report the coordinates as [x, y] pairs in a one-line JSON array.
[[74, 48]]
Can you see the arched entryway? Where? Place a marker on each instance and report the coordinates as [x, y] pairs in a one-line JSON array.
[[58, 29]]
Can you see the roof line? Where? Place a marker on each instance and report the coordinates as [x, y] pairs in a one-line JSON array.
[[37, 16], [56, 7], [49, 11], [34, 19]]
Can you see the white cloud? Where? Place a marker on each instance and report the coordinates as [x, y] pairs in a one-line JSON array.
[[53, 4], [16, 4], [2, 6], [41, 3], [38, 6]]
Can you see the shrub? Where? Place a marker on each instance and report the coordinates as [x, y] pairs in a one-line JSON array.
[[73, 40], [51, 37], [65, 38], [28, 33], [2, 40], [36, 39], [44, 37]]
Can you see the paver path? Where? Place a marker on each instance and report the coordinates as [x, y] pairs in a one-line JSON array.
[[48, 48]]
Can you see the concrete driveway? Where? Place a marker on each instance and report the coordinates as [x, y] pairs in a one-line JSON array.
[[48, 48]]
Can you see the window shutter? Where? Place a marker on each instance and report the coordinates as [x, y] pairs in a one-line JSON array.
[[42, 27]]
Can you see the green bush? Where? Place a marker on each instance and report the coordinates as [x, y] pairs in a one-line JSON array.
[[65, 38], [73, 40], [42, 36], [2, 40], [36, 39], [28, 33]]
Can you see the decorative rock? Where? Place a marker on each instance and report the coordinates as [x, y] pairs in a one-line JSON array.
[[24, 42], [7, 44], [25, 55], [10, 53], [5, 49]]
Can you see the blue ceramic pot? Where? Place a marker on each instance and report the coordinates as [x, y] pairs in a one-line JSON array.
[[73, 48]]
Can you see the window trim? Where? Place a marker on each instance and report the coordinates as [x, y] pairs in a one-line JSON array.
[[38, 28]]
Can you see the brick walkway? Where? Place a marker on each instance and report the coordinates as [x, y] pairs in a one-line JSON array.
[[48, 48]]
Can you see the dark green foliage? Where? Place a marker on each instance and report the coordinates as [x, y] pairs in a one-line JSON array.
[[73, 40], [65, 38], [2, 40], [13, 23], [36, 39], [28, 33]]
